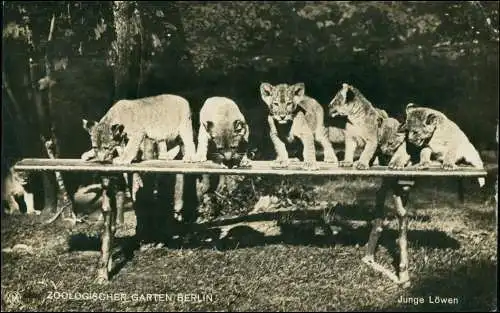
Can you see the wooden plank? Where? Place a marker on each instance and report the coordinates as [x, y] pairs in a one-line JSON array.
[[257, 168]]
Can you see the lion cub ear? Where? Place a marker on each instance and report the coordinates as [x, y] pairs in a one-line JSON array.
[[349, 95], [402, 128], [117, 130], [380, 121], [266, 91], [410, 106], [431, 119], [240, 127], [347, 92], [88, 125], [299, 90], [209, 126]]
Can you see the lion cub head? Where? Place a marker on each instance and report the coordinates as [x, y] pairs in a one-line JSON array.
[[420, 124], [106, 139], [343, 101], [283, 100], [390, 137], [227, 141]]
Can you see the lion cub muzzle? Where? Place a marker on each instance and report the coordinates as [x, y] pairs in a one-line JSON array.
[[228, 158]]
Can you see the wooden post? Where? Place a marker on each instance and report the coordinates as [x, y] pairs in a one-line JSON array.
[[49, 187], [108, 208], [378, 225], [400, 198]]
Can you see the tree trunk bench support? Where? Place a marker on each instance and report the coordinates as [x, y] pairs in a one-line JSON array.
[[401, 189], [399, 181]]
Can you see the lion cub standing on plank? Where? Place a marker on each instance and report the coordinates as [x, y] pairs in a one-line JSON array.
[[439, 137], [223, 133], [294, 115], [364, 122], [222, 138], [161, 118]]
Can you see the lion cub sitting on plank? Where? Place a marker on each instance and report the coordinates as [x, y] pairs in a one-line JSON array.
[[439, 137], [370, 128], [364, 121]]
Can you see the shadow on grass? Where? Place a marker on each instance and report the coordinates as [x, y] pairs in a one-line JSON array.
[[121, 256], [473, 285], [305, 234], [483, 219], [295, 228], [302, 228]]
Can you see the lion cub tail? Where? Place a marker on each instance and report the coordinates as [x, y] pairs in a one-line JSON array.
[[482, 181], [474, 159]]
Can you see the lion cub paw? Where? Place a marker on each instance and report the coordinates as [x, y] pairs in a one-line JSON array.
[[310, 166], [189, 158], [361, 165], [333, 160], [245, 162], [200, 158], [121, 161], [87, 156], [345, 164], [396, 164], [33, 212], [449, 166], [423, 165], [281, 163]]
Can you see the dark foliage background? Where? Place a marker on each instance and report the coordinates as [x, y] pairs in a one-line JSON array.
[[440, 54], [85, 55]]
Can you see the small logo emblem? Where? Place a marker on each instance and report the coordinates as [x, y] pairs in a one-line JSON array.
[[12, 297]]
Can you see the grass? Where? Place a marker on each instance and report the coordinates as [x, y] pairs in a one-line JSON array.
[[452, 248]]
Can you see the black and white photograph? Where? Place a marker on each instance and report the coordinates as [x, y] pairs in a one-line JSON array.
[[305, 156]]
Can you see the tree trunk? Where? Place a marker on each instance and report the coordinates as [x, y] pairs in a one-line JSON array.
[[49, 186], [18, 116], [122, 49], [142, 53]]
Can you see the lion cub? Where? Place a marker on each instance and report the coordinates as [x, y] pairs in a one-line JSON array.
[[13, 187], [392, 144], [364, 121], [223, 133], [159, 118], [439, 137], [293, 115], [222, 138]]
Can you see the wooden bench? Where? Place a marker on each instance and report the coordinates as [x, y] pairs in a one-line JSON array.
[[399, 181]]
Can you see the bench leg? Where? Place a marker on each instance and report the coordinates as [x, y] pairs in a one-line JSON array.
[[120, 202], [377, 229], [378, 222], [109, 214], [400, 198], [120, 195]]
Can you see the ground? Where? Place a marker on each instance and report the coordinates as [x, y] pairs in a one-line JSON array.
[[266, 262]]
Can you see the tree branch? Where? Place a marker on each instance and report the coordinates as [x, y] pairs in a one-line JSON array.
[[17, 107]]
